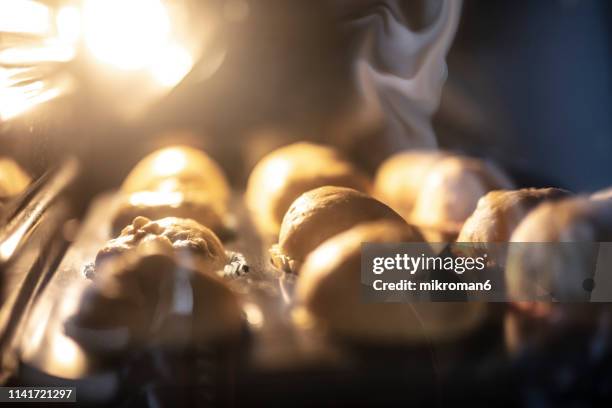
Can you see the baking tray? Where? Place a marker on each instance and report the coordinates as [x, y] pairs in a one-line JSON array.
[[280, 363], [32, 241]]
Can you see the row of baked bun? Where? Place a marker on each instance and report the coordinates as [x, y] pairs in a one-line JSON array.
[[320, 209], [474, 202], [440, 195], [160, 278]]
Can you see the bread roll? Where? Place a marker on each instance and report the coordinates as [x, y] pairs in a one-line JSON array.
[[498, 213], [195, 205], [192, 244], [560, 269], [286, 173], [13, 179], [149, 294], [320, 214], [437, 191], [329, 288], [177, 168], [399, 178], [177, 181]]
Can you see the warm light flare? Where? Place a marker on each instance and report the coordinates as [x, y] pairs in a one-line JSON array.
[[323, 256], [132, 35], [169, 162], [16, 100], [68, 23], [48, 51], [276, 173], [154, 198], [253, 314], [30, 60], [24, 16], [171, 65], [125, 33], [65, 351], [135, 35]]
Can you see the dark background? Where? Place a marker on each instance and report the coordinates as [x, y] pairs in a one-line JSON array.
[[530, 85]]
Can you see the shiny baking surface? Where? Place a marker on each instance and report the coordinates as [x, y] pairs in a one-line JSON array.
[[31, 244], [277, 357]]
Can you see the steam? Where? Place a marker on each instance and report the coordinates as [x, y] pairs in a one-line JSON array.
[[400, 71]]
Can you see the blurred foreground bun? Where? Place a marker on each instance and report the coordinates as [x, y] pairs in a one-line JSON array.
[[552, 247], [176, 181], [13, 179], [146, 295], [192, 244], [283, 175], [320, 214], [329, 288], [437, 191]]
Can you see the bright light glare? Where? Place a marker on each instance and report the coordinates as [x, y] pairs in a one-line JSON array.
[[172, 64], [68, 22], [169, 162], [276, 172], [324, 255], [134, 35], [253, 314], [125, 33], [14, 101], [156, 198], [64, 350], [47, 51], [24, 16]]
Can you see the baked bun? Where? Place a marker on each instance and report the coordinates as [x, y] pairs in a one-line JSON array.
[[192, 244], [13, 179], [147, 295], [498, 213], [177, 168], [286, 173], [329, 288], [399, 178], [437, 191], [320, 214], [154, 205], [177, 181], [561, 269]]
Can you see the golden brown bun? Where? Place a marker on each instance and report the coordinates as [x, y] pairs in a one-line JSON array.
[[400, 177], [329, 287], [146, 289], [178, 168], [286, 173], [437, 191], [575, 219], [155, 205], [322, 213], [499, 212], [13, 180], [192, 244], [177, 181], [561, 269]]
